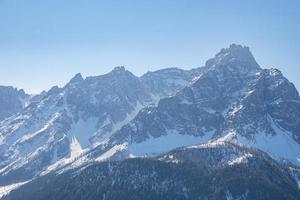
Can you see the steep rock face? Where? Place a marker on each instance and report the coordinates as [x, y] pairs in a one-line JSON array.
[[113, 98], [11, 101], [101, 94], [199, 108], [232, 95], [236, 60], [65, 122], [212, 171]]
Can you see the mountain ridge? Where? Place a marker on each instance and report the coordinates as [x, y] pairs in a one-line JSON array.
[[118, 115], [70, 119]]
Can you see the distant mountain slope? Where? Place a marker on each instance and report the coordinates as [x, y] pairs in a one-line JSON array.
[[12, 101], [213, 171], [65, 122]]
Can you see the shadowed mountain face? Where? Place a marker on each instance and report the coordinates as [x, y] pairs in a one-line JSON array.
[[117, 116], [212, 171]]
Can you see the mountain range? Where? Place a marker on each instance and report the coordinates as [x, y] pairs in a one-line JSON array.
[[227, 130]]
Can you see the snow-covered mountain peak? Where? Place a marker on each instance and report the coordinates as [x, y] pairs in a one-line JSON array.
[[236, 59]]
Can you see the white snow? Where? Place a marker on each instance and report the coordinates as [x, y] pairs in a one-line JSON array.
[[249, 93], [117, 126], [236, 109], [25, 101], [27, 137], [155, 146], [76, 152], [280, 146], [128, 118], [155, 99], [194, 79], [5, 190], [111, 152], [229, 196], [83, 130], [75, 148], [79, 136], [241, 159]]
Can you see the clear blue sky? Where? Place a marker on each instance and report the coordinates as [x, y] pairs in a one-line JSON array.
[[45, 42]]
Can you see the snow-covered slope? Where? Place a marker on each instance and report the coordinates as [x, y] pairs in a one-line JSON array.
[[60, 125], [232, 95]]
